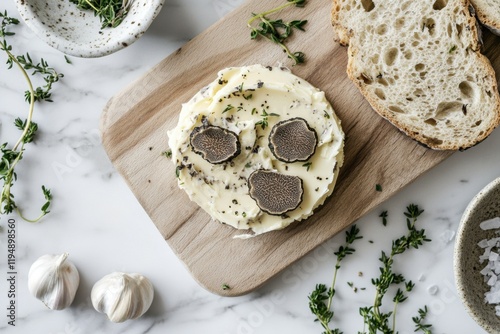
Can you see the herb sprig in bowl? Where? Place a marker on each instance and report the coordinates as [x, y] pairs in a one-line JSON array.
[[110, 12], [101, 28]]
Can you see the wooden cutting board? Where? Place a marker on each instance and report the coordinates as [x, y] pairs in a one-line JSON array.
[[134, 131]]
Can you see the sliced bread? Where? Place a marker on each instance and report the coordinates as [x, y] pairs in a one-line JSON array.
[[488, 12], [418, 64]]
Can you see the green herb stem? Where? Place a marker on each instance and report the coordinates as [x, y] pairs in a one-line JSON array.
[[31, 102], [334, 281], [296, 58], [269, 12], [10, 172], [418, 320], [91, 5], [36, 220], [4, 47], [374, 319], [278, 31], [110, 12], [321, 299], [11, 157], [394, 317]]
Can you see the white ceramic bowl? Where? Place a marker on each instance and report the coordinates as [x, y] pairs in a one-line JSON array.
[[469, 281], [78, 33]]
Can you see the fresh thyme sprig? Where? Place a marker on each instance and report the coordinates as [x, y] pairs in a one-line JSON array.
[[50, 76], [278, 31], [374, 319], [110, 12], [320, 300], [11, 156], [418, 320]]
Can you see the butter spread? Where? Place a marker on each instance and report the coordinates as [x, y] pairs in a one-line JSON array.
[[249, 101]]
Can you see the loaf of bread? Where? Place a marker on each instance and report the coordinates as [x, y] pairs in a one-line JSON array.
[[418, 64], [488, 12]]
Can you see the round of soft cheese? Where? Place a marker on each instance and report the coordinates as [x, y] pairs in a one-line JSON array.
[[249, 101]]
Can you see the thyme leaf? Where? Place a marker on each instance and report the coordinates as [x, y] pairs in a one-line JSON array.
[[167, 154], [228, 107], [384, 215]]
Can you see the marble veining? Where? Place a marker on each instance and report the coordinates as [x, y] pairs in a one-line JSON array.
[[97, 220]]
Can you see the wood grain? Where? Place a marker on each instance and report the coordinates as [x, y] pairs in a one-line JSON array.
[[134, 128]]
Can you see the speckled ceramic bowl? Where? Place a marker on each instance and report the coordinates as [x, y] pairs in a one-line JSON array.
[[469, 281], [78, 33]]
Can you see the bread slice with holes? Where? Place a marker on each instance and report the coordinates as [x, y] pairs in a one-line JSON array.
[[418, 64], [488, 12]]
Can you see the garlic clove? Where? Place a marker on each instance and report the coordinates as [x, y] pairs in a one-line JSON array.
[[54, 280], [122, 296]]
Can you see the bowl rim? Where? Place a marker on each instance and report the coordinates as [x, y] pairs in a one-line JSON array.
[[72, 48], [458, 252]]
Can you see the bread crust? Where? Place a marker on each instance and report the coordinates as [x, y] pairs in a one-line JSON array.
[[485, 18], [344, 36], [426, 141]]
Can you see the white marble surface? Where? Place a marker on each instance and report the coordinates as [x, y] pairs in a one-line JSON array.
[[98, 221]]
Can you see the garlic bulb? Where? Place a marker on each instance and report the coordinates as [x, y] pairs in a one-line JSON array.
[[54, 281], [122, 296]]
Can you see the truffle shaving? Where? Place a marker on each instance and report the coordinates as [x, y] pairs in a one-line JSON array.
[[275, 193], [293, 140], [215, 144]]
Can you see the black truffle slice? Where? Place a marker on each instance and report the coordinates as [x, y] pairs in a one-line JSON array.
[[275, 193], [215, 144], [293, 140]]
